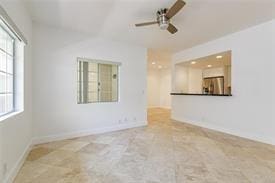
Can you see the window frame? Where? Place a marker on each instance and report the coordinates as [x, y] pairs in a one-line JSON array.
[[20, 41], [9, 32], [98, 61]]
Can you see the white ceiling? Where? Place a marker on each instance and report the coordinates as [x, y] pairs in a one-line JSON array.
[[157, 59], [199, 21], [202, 63]]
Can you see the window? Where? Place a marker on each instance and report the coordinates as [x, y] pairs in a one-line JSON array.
[[12, 43], [7, 42], [97, 81]]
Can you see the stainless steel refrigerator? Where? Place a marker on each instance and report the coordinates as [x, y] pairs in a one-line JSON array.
[[213, 85]]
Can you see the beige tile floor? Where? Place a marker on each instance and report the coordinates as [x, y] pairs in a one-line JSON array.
[[165, 151]]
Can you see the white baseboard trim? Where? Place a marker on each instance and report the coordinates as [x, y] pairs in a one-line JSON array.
[[164, 107], [51, 138], [242, 134], [9, 178]]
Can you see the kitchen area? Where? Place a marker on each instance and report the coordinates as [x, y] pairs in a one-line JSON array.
[[210, 75]]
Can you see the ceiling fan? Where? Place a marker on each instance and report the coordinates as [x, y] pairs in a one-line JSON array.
[[164, 16]]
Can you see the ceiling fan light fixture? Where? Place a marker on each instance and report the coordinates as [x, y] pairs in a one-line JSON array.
[[164, 16], [162, 19], [164, 26]]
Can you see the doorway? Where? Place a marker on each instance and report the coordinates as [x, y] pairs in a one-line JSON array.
[[158, 81]]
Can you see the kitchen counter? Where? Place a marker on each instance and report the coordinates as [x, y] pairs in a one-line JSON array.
[[198, 94]]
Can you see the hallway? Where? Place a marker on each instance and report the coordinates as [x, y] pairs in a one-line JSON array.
[[165, 151]]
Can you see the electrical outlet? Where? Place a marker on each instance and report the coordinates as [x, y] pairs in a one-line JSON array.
[[135, 119], [119, 121], [125, 120]]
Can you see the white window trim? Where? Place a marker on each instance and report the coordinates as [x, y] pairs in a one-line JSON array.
[[12, 28], [98, 61], [9, 115]]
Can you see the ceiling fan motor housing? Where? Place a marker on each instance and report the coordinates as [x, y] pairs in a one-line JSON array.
[[163, 21], [164, 15]]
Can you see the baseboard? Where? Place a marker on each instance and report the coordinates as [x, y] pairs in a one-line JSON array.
[[164, 107], [9, 178], [249, 136], [51, 138]]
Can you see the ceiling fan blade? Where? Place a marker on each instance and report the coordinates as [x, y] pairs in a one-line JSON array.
[[172, 29], [175, 9], [146, 23]]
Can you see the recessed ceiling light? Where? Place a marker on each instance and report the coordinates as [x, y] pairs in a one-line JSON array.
[[219, 57], [159, 66], [153, 63], [193, 62], [209, 65]]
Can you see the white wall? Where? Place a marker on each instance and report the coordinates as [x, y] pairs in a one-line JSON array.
[[159, 88], [1, 154], [187, 79], [194, 80], [17, 130], [56, 112], [165, 88], [180, 79], [273, 76], [248, 112], [153, 84]]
